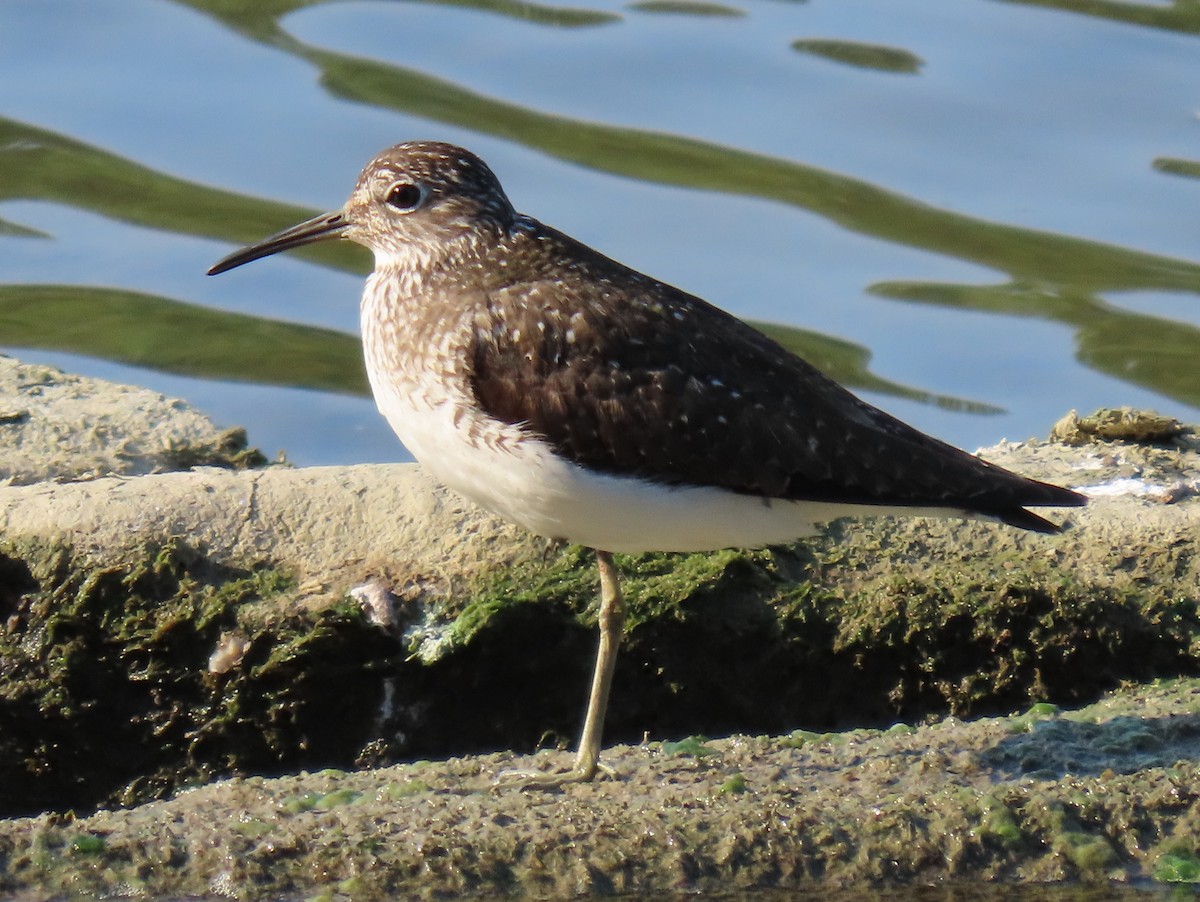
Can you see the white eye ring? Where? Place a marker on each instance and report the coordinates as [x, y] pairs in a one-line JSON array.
[[405, 196]]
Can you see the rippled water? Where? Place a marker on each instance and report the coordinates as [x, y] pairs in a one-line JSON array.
[[979, 214]]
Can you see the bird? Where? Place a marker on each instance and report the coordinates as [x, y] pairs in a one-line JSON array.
[[591, 403]]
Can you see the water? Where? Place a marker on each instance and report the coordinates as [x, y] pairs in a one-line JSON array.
[[985, 223]]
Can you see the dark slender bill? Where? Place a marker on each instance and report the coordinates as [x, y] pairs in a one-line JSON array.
[[319, 228]]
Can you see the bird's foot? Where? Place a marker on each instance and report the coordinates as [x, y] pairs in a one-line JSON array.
[[582, 772]]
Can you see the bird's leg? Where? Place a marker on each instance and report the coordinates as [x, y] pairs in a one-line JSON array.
[[612, 623]]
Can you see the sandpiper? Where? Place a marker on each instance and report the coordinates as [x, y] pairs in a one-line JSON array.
[[589, 402]]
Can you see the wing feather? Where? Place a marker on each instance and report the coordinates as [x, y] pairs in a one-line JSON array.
[[627, 375]]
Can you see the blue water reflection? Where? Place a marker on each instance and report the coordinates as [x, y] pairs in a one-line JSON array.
[[691, 146]]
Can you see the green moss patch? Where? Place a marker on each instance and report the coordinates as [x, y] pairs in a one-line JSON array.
[[819, 637], [105, 691], [106, 694]]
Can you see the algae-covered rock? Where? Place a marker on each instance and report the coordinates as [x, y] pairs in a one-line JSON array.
[[1123, 424], [871, 622], [105, 696], [951, 803]]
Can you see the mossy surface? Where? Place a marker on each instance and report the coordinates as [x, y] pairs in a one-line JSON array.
[[775, 640], [872, 810], [106, 695], [105, 691]]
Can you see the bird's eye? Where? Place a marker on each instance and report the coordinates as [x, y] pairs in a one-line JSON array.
[[405, 196]]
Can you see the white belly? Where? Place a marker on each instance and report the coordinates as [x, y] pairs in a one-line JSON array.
[[518, 477], [425, 395]]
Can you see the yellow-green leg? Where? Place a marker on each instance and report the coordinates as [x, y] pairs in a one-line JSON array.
[[612, 623]]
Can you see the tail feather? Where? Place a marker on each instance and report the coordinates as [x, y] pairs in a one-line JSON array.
[[1022, 518], [1047, 496]]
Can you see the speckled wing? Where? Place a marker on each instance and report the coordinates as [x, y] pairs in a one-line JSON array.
[[628, 376]]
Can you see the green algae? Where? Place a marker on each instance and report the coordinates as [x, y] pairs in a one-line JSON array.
[[1090, 854], [737, 641], [800, 738], [1037, 712], [983, 638], [394, 792], [566, 585], [253, 827], [691, 747], [800, 641], [119, 654], [1178, 867], [998, 823], [735, 784], [338, 797], [87, 844], [1058, 823], [655, 586], [320, 801], [867, 814]]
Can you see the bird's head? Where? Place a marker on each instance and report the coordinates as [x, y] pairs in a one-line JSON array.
[[413, 204]]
